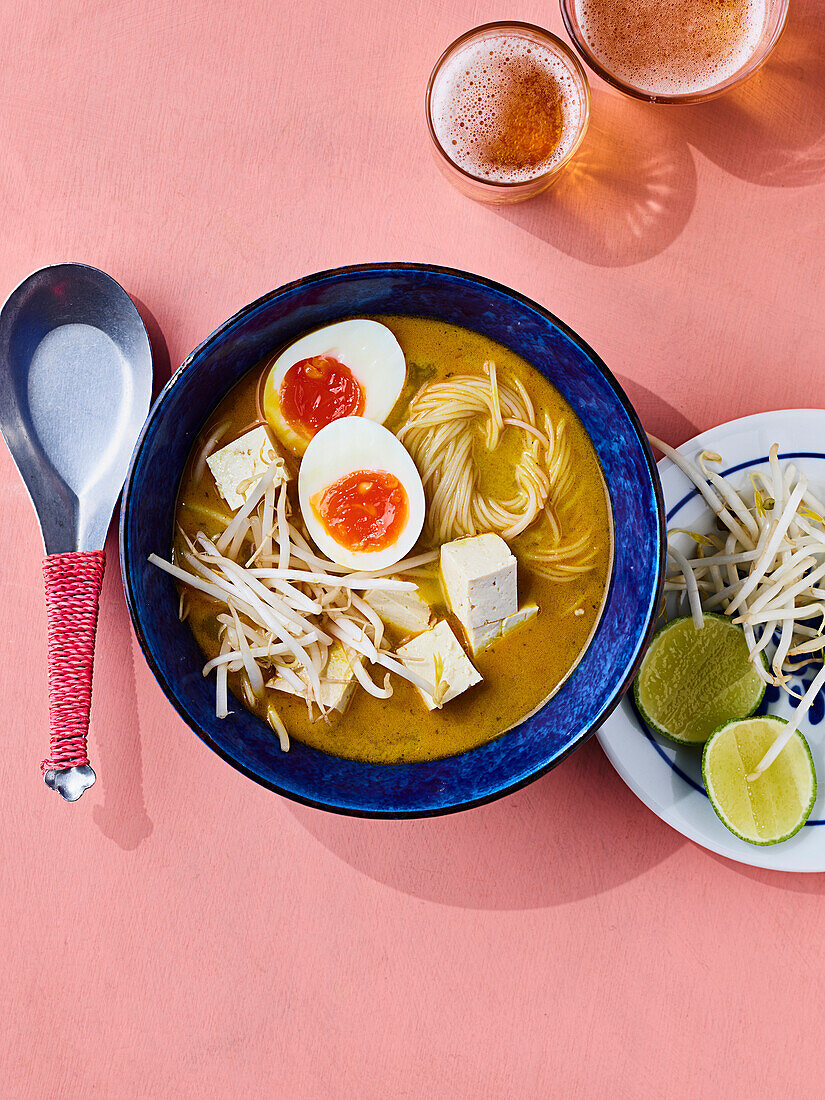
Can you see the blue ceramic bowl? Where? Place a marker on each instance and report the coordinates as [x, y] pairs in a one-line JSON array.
[[608, 666]]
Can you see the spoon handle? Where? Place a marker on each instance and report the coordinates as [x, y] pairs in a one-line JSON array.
[[73, 583]]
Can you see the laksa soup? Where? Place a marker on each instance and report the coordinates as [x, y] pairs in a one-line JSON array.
[[392, 541]]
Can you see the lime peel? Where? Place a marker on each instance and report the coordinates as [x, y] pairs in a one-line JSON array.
[[690, 682]]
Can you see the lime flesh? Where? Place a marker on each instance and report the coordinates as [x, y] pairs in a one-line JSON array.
[[693, 681], [774, 806]]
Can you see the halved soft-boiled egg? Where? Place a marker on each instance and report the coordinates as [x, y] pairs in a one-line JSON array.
[[352, 368], [361, 496]]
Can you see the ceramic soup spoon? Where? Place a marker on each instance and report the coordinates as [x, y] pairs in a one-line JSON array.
[[75, 386]]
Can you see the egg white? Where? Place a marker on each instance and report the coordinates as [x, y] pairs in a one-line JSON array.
[[367, 348], [342, 447]]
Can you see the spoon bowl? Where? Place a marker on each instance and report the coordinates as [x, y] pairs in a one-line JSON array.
[[75, 384]]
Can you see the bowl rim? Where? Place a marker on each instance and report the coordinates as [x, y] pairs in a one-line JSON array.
[[383, 268]]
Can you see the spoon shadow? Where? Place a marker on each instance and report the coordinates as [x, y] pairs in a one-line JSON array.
[[626, 196], [122, 815], [516, 853], [161, 363]]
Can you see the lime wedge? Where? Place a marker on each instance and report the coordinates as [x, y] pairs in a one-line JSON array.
[[778, 803], [692, 681]]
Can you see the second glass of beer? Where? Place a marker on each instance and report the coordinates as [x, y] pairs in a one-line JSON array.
[[507, 107], [674, 51]]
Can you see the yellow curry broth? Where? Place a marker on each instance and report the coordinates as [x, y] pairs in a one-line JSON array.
[[521, 670]]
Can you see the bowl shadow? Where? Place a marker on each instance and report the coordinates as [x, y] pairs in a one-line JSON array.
[[574, 833], [770, 130], [658, 417], [626, 196]]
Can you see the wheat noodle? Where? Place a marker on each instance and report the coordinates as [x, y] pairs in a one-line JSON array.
[[448, 420]]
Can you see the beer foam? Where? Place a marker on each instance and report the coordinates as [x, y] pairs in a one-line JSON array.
[[672, 47], [472, 99]]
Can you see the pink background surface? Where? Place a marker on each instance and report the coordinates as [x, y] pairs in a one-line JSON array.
[[182, 932]]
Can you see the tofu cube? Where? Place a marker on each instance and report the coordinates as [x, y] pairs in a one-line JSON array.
[[480, 579], [406, 611], [237, 466], [337, 681], [420, 654]]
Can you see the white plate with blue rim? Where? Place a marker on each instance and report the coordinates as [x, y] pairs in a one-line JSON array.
[[668, 777]]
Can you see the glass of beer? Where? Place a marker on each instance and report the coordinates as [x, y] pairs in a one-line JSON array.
[[674, 51], [507, 107]]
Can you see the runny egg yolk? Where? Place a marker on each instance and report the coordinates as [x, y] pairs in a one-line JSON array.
[[316, 391], [364, 510]]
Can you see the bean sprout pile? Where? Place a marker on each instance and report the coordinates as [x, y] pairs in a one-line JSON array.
[[281, 606], [764, 566]]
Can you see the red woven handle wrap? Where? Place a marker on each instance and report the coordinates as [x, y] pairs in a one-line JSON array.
[[73, 584]]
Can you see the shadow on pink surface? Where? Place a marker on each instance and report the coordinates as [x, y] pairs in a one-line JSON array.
[[122, 815], [631, 188], [504, 856], [627, 195], [779, 880], [161, 363], [658, 416], [771, 129]]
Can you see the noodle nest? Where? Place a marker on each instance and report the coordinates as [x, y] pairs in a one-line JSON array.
[[446, 421]]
